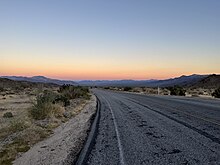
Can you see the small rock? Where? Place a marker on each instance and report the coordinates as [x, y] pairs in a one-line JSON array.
[[66, 114], [43, 146]]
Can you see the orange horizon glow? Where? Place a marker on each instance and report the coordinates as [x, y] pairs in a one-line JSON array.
[[93, 69], [98, 68], [95, 76]]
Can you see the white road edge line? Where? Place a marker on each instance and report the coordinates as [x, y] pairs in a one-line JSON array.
[[122, 161]]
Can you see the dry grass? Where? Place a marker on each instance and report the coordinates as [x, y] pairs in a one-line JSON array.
[[199, 92], [144, 90], [191, 92]]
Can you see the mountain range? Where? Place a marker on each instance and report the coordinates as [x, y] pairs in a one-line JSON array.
[[181, 81], [187, 81], [40, 79]]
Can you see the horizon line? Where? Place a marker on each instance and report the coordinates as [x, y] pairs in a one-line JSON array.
[[104, 79]]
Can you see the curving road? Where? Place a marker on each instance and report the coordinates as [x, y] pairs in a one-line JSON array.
[[138, 129]]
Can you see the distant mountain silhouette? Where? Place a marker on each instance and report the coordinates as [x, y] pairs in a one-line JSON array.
[[115, 82], [209, 82], [40, 79], [181, 81], [13, 84], [187, 81]]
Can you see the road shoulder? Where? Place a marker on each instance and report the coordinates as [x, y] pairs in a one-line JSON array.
[[66, 142]]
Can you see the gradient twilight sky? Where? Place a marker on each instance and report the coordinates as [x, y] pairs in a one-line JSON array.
[[109, 39]]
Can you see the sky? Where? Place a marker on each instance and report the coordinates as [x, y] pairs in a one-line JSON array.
[[109, 39]]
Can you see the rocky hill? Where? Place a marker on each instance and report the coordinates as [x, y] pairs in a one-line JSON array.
[[209, 82]]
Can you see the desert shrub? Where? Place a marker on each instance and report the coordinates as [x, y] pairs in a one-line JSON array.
[[177, 90], [143, 89], [1, 89], [62, 99], [43, 110], [8, 115], [17, 125], [45, 106], [18, 88], [216, 93], [72, 92], [127, 88]]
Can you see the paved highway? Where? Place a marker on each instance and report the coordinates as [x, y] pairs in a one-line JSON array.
[[140, 129]]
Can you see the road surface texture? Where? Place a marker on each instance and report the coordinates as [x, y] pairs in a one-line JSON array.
[[138, 129]]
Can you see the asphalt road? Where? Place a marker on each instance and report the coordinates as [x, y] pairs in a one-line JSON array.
[[138, 129]]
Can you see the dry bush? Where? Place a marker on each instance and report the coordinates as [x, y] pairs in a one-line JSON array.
[[45, 106], [177, 90], [18, 125], [216, 93], [127, 88]]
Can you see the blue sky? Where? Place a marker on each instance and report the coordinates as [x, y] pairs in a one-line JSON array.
[[127, 39]]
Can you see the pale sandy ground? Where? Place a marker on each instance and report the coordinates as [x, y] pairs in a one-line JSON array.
[[65, 144]]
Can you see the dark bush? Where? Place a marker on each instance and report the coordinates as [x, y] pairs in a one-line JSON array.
[[127, 88], [216, 93], [177, 90], [62, 99], [1, 89], [72, 92], [8, 115]]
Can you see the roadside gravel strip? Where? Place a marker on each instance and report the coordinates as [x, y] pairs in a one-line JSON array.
[[65, 144]]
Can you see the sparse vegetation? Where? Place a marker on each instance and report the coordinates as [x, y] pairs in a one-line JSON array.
[[8, 115], [73, 92], [17, 125], [216, 93], [127, 88], [177, 90], [22, 143], [47, 106], [35, 109]]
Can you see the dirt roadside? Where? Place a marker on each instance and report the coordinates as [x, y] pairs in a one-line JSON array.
[[65, 144]]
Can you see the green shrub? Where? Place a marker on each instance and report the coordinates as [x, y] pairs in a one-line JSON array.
[[44, 107], [8, 115], [177, 90], [127, 88], [72, 92], [216, 93], [45, 110]]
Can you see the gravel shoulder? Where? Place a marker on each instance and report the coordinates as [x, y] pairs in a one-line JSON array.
[[63, 146]]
